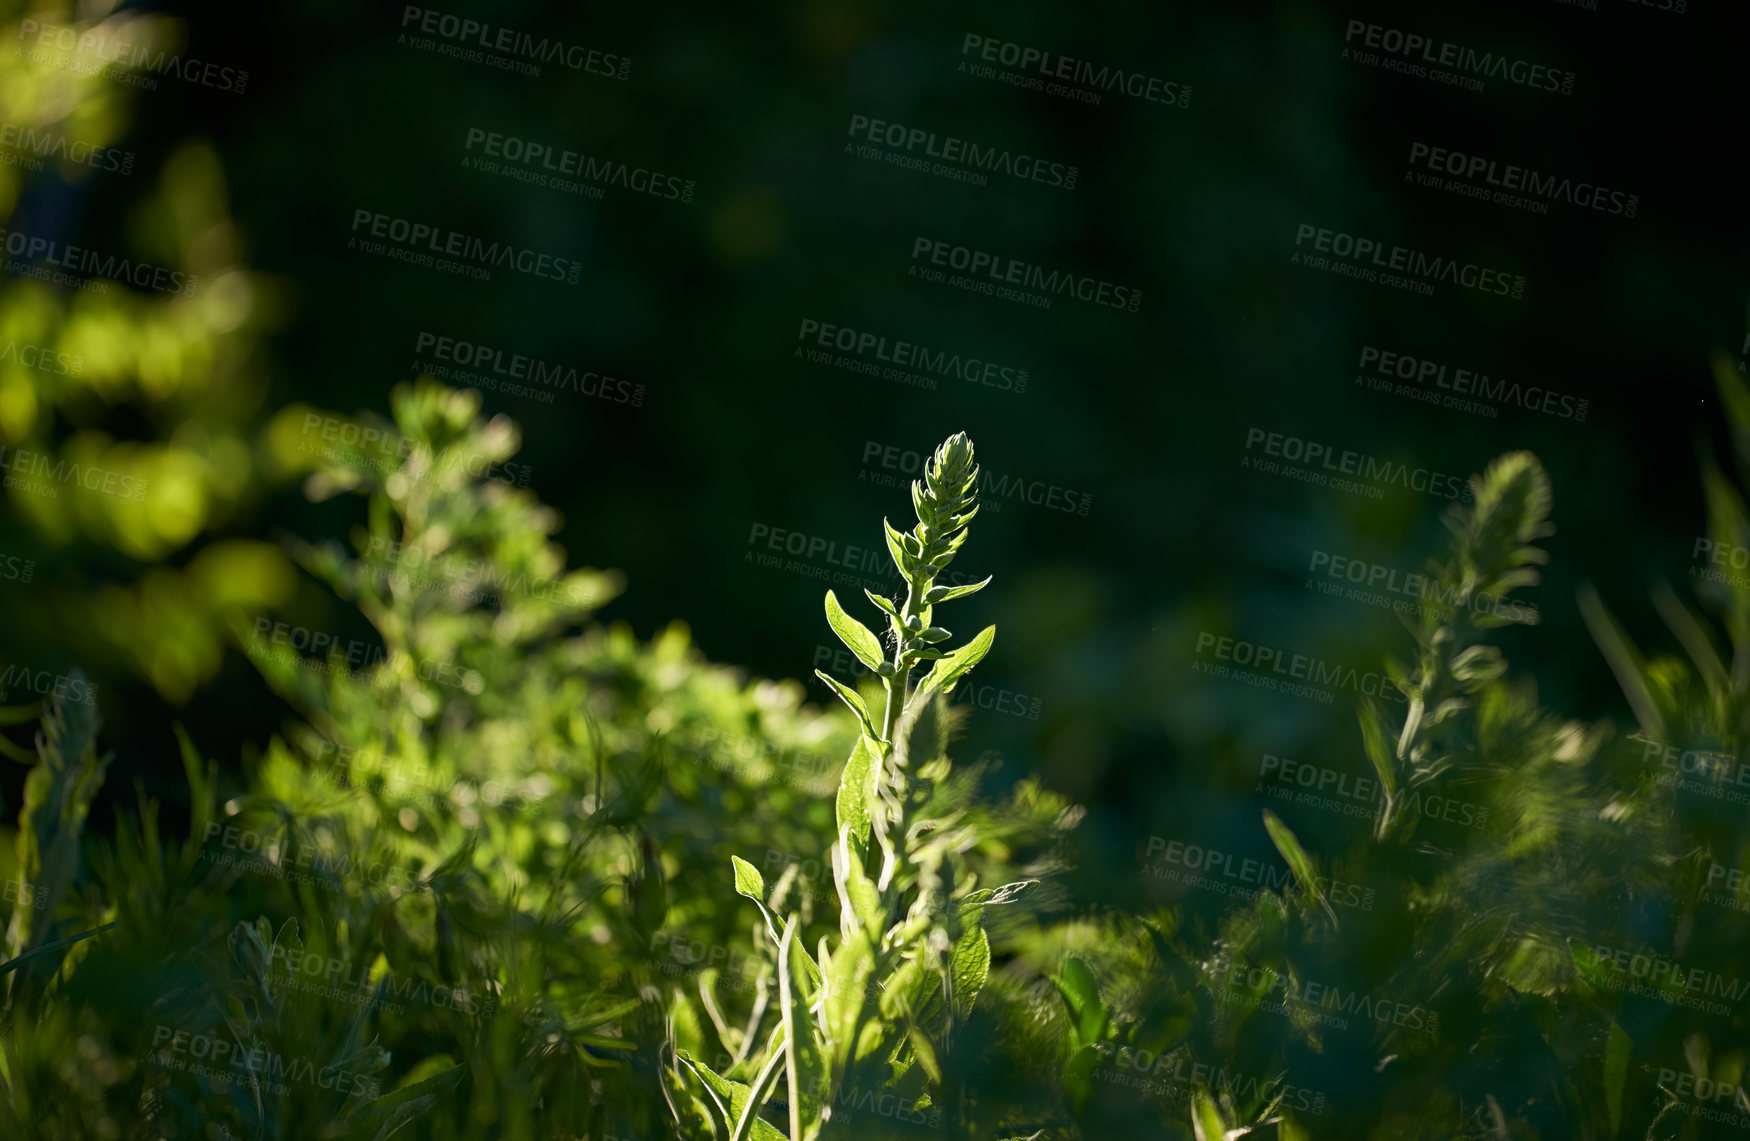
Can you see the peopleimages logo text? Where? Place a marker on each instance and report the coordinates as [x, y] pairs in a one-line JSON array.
[[421, 241], [1360, 464], [1073, 72], [905, 354], [1639, 971], [1400, 259], [26, 463], [90, 262], [1010, 271], [517, 366], [137, 57], [1258, 985], [1430, 374], [1245, 870], [553, 160], [49, 144], [948, 148], [41, 358], [1445, 53], [1507, 176], [1299, 667], [1447, 599], [477, 33], [67, 687]]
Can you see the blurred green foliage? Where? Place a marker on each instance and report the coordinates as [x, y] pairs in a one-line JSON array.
[[494, 901], [148, 575], [478, 883]]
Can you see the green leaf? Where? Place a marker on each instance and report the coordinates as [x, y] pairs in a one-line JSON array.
[[748, 880], [851, 698], [1477, 666], [1534, 967], [57, 799], [1205, 1118], [1694, 639], [954, 666], [737, 1097], [938, 594], [922, 733], [1593, 970], [1376, 741], [1616, 1055], [1288, 1129], [1624, 660], [750, 883], [861, 640], [884, 603], [849, 968], [1735, 398], [1078, 1073], [765, 912], [750, 1123], [922, 504], [924, 1050], [396, 1109], [804, 1070], [1081, 993], [971, 966], [858, 890], [1412, 721], [11, 965], [1511, 509], [857, 788], [1298, 861], [896, 548], [251, 945], [993, 896]]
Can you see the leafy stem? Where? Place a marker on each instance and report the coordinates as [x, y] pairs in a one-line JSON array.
[[945, 500], [897, 682]]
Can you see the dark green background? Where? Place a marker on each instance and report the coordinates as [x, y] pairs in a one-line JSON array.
[[1098, 615]]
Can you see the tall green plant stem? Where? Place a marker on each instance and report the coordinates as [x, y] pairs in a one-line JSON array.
[[896, 685]]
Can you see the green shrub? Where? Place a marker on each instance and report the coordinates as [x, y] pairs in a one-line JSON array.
[[487, 883]]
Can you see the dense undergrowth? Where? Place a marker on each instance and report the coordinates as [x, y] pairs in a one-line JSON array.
[[521, 875], [511, 872]]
